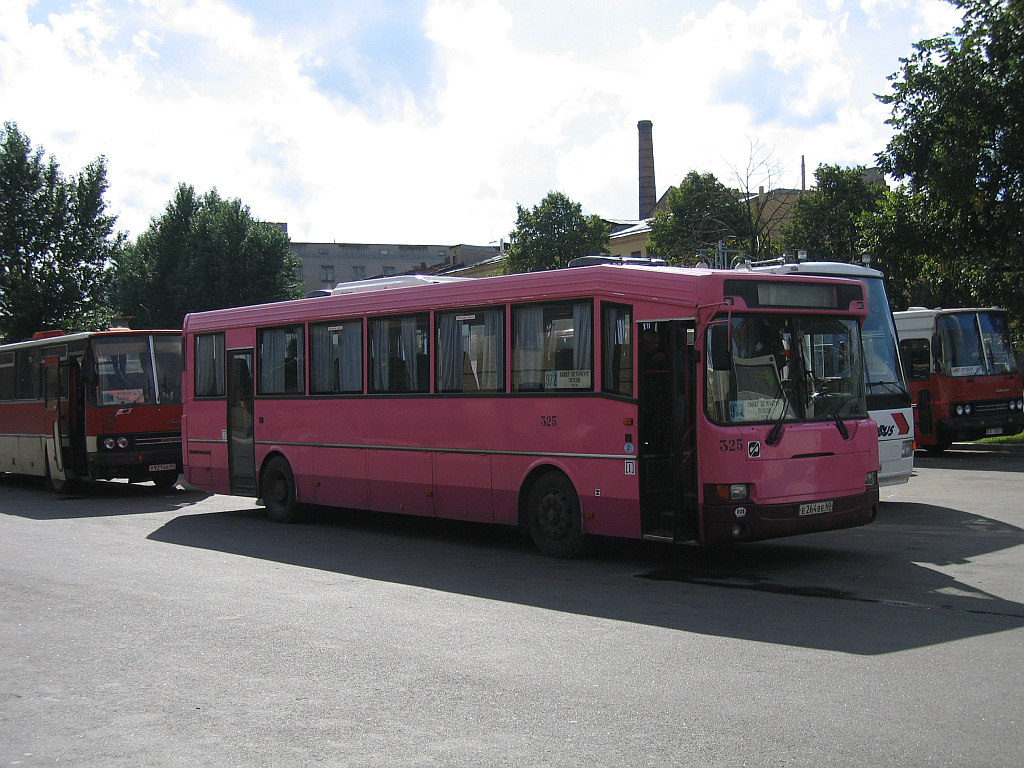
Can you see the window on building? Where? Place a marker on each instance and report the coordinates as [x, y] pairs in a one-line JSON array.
[[399, 354], [552, 347], [281, 361], [336, 357], [387, 271], [358, 273], [471, 351], [326, 273]]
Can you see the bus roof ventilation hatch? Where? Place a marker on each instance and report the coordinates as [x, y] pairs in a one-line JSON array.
[[387, 283]]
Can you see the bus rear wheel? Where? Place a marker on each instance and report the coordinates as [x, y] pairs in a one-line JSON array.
[[554, 518], [277, 486]]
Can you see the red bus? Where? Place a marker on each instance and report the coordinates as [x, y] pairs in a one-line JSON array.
[[962, 373], [629, 401], [95, 405]]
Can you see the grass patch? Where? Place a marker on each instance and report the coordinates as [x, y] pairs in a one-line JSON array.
[[1005, 439]]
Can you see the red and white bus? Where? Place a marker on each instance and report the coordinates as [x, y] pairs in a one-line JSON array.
[[629, 401], [889, 399], [963, 374], [95, 405]]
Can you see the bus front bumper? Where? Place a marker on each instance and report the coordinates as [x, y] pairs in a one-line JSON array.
[[747, 521], [137, 465], [964, 428]]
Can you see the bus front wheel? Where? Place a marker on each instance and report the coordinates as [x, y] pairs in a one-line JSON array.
[[554, 518], [277, 485]]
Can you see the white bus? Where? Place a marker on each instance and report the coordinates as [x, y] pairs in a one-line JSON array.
[[889, 400]]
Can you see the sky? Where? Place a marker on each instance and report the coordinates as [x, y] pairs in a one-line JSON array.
[[428, 121]]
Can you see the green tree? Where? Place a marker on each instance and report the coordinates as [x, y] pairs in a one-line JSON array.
[[552, 233], [958, 114], [699, 213], [203, 252], [56, 241], [824, 220]]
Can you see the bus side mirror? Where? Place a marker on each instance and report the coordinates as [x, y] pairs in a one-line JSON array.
[[719, 355]]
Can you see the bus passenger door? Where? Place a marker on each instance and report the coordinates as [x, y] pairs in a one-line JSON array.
[[667, 434], [59, 458], [241, 442]]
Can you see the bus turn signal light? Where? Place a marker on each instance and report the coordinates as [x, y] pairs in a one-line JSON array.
[[734, 492]]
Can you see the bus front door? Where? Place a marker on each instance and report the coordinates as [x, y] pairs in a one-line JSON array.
[[667, 415], [241, 442], [59, 454]]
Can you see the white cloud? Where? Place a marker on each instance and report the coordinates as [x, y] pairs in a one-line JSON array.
[[196, 92]]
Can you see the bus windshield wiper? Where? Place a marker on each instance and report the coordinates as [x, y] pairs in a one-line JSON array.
[[820, 389], [895, 386], [776, 430]]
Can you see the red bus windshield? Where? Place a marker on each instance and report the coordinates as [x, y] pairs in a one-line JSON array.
[[137, 370], [975, 344]]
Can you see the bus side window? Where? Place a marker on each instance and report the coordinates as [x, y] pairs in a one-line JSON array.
[[281, 362], [617, 349], [7, 377], [552, 347], [916, 356]]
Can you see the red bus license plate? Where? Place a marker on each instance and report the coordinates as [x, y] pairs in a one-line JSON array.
[[994, 431], [166, 467], [815, 508]]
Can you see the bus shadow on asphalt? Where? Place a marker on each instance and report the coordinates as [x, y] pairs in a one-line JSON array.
[[100, 498], [873, 590]]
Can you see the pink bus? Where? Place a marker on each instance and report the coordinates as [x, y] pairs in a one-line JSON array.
[[630, 401]]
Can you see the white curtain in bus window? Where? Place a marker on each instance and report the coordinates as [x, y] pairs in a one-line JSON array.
[[336, 358], [399, 354], [469, 351], [209, 365], [617, 350], [281, 361], [553, 347]]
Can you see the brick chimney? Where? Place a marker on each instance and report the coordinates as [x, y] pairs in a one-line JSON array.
[[648, 191]]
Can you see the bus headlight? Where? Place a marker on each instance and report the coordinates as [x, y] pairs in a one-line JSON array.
[[108, 443], [968, 409], [122, 442], [907, 449], [871, 479], [734, 492]]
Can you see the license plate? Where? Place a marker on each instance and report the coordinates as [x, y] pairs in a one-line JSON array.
[[994, 431], [815, 508], [166, 467]]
